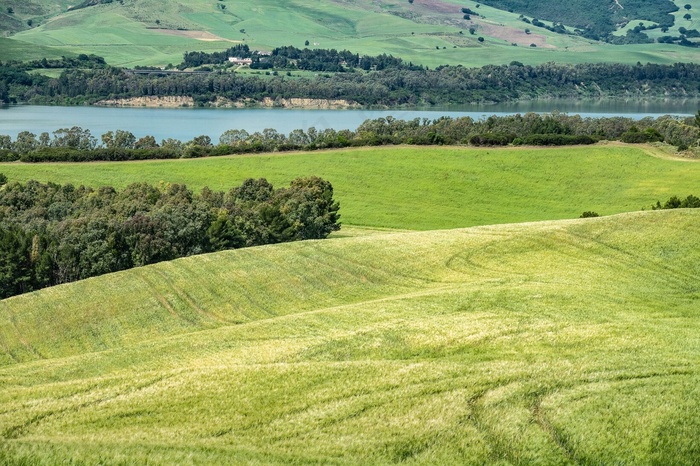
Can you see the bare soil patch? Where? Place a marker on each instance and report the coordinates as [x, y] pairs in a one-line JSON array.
[[499, 31], [513, 35], [197, 35], [439, 6]]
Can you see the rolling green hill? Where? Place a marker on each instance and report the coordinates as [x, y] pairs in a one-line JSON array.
[[570, 342], [425, 188], [429, 32]]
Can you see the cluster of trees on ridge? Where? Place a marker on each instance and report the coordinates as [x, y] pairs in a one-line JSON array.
[[52, 234], [79, 145], [389, 87], [674, 202], [292, 58]]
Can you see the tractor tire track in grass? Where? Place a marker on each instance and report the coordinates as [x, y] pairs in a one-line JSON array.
[[673, 276], [31, 349], [165, 303], [554, 434], [182, 294], [375, 269], [18, 430]]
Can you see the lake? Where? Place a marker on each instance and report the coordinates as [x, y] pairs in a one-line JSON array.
[[186, 123]]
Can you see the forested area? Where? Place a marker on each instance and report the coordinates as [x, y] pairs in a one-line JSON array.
[[79, 145], [52, 234], [593, 19], [389, 87]]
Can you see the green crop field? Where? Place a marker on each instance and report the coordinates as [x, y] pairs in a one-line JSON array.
[[425, 188], [432, 33], [568, 342]]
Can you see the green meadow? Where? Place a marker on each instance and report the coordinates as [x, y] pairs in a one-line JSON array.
[[425, 188], [564, 342]]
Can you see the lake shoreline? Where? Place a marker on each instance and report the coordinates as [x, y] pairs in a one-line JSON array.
[[185, 123]]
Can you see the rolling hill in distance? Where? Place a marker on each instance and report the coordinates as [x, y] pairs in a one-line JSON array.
[[428, 32]]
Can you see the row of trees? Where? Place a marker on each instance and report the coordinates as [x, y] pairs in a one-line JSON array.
[[389, 87], [52, 234], [675, 202], [78, 145]]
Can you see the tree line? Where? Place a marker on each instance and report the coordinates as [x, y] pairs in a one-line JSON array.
[[79, 145], [52, 234], [389, 87]]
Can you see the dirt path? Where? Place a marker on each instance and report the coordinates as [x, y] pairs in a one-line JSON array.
[[653, 151]]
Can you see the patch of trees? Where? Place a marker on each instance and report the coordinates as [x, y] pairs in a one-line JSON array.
[[559, 28], [389, 87], [682, 39], [592, 18], [292, 58], [52, 234], [674, 202], [89, 3], [195, 59]]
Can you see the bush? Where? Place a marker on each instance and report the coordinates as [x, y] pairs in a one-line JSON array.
[[634, 136], [7, 155], [589, 214], [491, 139], [554, 140]]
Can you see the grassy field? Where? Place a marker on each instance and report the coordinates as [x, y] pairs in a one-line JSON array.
[[426, 188], [151, 32], [569, 342]]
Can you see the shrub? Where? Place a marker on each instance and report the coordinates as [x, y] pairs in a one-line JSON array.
[[491, 139], [554, 140]]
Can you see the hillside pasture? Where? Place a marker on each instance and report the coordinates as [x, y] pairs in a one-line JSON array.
[[430, 33], [424, 188], [562, 342]]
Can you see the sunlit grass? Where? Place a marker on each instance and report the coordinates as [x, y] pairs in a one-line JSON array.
[[550, 343], [424, 188]]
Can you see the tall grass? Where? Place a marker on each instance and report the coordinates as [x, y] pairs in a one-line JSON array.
[[570, 342]]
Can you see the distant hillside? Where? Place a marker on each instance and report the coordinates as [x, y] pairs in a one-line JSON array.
[[595, 19], [18, 15], [426, 32]]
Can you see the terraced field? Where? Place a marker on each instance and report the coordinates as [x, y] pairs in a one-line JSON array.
[[569, 342]]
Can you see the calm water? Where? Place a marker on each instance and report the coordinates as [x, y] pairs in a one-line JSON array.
[[184, 124]]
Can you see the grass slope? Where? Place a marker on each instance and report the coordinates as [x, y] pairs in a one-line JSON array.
[[429, 32], [571, 342], [425, 188]]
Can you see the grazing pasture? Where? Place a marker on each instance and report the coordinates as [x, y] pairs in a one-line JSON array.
[[428, 32], [565, 342]]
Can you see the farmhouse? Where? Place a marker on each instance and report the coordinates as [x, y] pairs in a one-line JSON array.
[[240, 61]]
